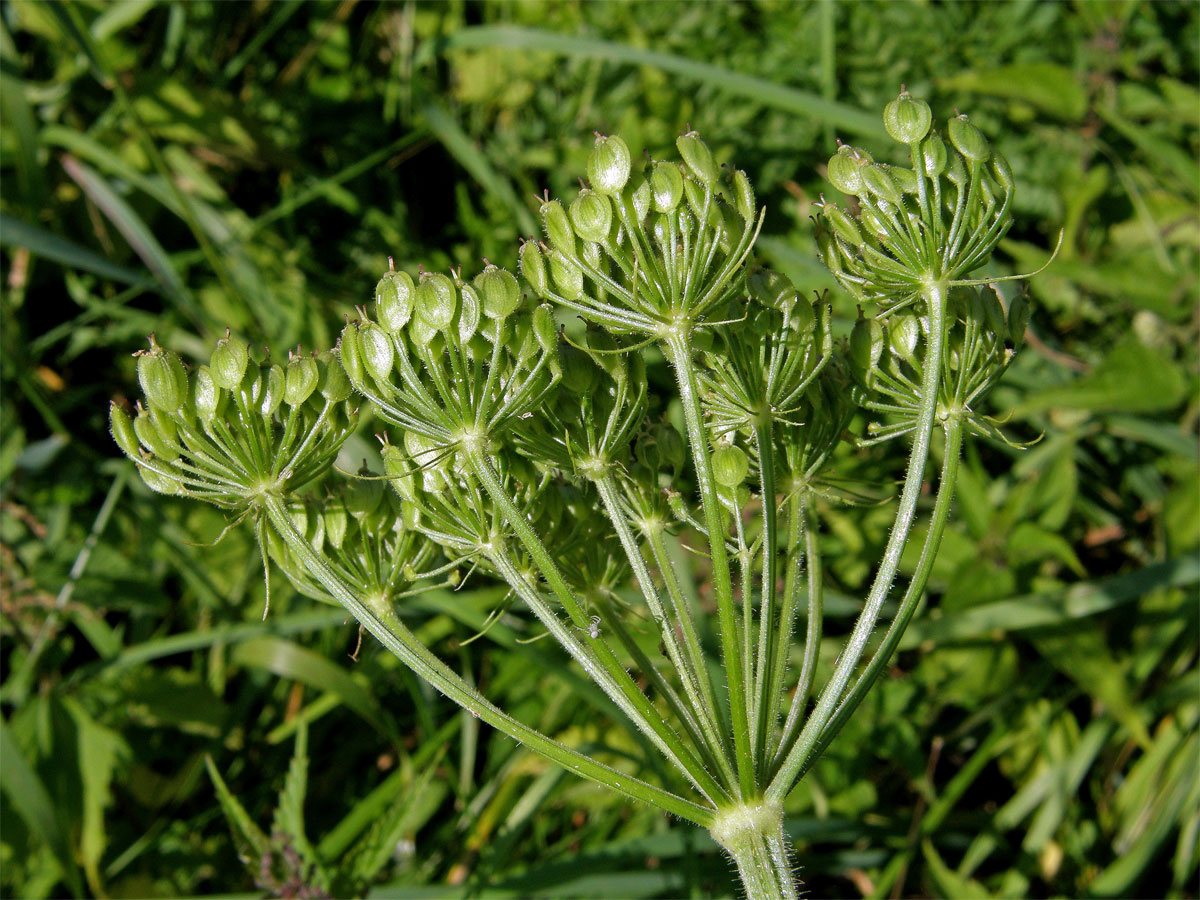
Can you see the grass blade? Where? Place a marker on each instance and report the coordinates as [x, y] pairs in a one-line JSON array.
[[46, 244], [842, 116]]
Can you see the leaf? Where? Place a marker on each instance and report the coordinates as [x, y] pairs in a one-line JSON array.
[[289, 660], [252, 844], [1053, 607], [1046, 86], [289, 814], [32, 803], [102, 749], [1081, 653], [948, 883], [134, 230], [1030, 542], [1132, 378], [39, 242]]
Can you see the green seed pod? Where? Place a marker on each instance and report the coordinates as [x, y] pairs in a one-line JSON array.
[[376, 350], [469, 315], [207, 398], [544, 328], [397, 468], [1003, 173], [364, 497], [968, 140], [866, 349], [730, 466], [162, 377], [300, 380], [579, 374], [993, 314], [335, 522], [845, 169], [161, 483], [666, 186], [843, 226], [436, 300], [802, 317], [274, 387], [698, 157], [1018, 320], [956, 172], [566, 277], [558, 227], [394, 301], [533, 267], [933, 155], [641, 199], [904, 332], [671, 448], [608, 165], [421, 333], [591, 214], [879, 182], [907, 120], [906, 179], [499, 291], [122, 431], [228, 362], [743, 193], [771, 289], [250, 386], [333, 383], [350, 353]]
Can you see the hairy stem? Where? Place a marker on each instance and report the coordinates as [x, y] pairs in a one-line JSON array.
[[704, 716], [912, 596], [781, 784], [679, 352], [602, 665], [395, 635]]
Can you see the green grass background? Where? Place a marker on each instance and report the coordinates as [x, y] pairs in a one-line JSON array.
[[183, 167]]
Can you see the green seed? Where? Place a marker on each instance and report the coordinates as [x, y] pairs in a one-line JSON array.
[[162, 378], [730, 466], [228, 362], [122, 431], [394, 301], [499, 291], [907, 120], [666, 186], [300, 380], [608, 165], [436, 300], [698, 157], [376, 351], [591, 214]]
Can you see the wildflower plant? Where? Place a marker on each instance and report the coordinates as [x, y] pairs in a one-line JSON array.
[[540, 460]]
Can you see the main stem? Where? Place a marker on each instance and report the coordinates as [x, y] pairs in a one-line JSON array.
[[753, 836]]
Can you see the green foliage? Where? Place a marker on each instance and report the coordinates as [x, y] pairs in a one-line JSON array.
[[177, 168]]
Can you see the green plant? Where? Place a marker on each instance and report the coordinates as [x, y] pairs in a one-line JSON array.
[[529, 451]]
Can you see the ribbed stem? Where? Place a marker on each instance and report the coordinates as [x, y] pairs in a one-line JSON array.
[[831, 697], [912, 596], [395, 635], [752, 834], [602, 665], [679, 353]]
